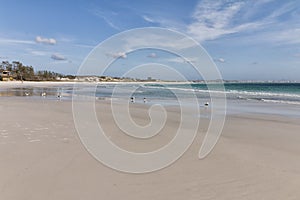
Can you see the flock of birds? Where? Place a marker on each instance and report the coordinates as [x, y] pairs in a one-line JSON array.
[[132, 100], [44, 94]]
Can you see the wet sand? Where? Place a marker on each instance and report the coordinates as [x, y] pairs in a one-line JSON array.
[[41, 157]]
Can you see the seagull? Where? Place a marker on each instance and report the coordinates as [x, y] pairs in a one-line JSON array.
[[132, 99]]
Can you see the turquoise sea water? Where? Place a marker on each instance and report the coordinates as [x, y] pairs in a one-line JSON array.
[[264, 98], [287, 93], [283, 93]]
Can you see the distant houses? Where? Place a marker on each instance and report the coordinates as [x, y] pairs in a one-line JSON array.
[[6, 76], [16, 71]]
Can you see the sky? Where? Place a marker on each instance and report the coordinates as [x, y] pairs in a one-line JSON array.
[[248, 40]]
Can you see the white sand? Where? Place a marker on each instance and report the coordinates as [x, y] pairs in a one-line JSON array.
[[41, 158]]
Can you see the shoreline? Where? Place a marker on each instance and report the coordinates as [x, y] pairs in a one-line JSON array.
[[65, 90], [145, 82]]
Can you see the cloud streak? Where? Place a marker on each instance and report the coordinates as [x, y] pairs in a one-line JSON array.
[[57, 56], [117, 55], [289, 36], [104, 16], [42, 40], [221, 60], [85, 46], [152, 55], [38, 53], [14, 41], [214, 19], [148, 19]]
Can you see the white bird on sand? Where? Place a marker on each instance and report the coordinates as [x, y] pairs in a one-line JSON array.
[[132, 99], [43, 94], [27, 93]]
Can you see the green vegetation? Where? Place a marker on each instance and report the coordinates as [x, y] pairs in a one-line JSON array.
[[18, 71]]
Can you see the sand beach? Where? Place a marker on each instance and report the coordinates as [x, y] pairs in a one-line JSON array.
[[41, 157]]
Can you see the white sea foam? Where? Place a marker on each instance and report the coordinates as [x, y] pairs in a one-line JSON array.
[[281, 101], [263, 93], [269, 97], [256, 93]]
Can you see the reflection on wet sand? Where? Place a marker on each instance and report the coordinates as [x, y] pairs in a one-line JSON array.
[[34, 91]]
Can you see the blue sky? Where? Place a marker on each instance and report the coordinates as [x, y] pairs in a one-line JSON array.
[[249, 40]]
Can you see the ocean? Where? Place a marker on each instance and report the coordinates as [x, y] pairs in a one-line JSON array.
[[284, 93], [264, 98], [280, 93]]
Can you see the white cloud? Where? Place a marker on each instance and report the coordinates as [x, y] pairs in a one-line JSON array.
[[181, 60], [157, 39], [110, 23], [175, 60], [221, 60], [283, 36], [85, 46], [148, 19], [13, 41], [289, 36], [38, 53], [106, 16], [170, 23], [152, 55], [57, 56], [117, 55], [213, 19], [286, 8], [42, 40]]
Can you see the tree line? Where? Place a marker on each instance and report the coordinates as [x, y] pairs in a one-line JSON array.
[[18, 71]]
